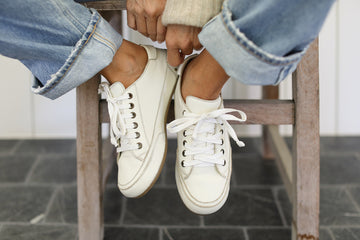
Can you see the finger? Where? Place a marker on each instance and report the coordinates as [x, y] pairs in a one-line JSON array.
[[174, 57], [160, 31], [131, 20], [141, 25], [186, 47], [151, 27]]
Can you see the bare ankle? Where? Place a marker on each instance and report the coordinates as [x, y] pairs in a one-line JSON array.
[[203, 77], [128, 64]]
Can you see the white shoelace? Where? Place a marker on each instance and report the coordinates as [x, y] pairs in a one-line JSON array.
[[201, 128], [122, 133]]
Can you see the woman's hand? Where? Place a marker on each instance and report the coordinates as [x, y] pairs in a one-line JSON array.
[[181, 40], [145, 17]]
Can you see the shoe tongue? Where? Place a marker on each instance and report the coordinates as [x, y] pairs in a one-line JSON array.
[[117, 89], [199, 106]]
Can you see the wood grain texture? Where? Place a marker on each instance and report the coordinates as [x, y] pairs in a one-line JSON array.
[[92, 171], [306, 147], [282, 155], [268, 92], [106, 5], [271, 112], [89, 165]]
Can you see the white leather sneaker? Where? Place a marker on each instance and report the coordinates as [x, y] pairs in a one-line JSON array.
[[203, 163], [138, 117]]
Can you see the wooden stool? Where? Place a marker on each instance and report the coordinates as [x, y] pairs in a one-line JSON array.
[[300, 171]]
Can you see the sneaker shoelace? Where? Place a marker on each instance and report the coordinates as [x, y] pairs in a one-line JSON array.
[[122, 126], [201, 129]]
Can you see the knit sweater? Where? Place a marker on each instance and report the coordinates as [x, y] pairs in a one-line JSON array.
[[190, 12]]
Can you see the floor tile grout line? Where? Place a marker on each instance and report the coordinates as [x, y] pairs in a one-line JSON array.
[[330, 186], [339, 186], [37, 184], [352, 233], [123, 210], [16, 146], [357, 155], [351, 197], [166, 231], [172, 186], [233, 227], [32, 169], [161, 233], [278, 206], [51, 202], [202, 221], [38, 224], [338, 154], [330, 233], [246, 234]]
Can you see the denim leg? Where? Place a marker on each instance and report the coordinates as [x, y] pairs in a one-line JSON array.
[[61, 42], [261, 42]]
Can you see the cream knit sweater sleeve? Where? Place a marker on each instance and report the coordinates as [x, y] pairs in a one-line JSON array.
[[190, 12]]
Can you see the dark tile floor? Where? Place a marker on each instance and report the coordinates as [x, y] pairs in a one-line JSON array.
[[38, 197]]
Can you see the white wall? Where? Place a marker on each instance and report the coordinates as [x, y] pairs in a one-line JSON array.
[[24, 115]]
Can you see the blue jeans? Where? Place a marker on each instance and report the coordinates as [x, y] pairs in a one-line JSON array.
[[60, 41], [64, 44], [260, 42]]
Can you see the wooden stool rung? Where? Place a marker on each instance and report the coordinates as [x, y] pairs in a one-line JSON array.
[[267, 112], [106, 5], [283, 157]]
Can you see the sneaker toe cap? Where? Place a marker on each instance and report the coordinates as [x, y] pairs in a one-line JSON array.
[[128, 168], [206, 188]]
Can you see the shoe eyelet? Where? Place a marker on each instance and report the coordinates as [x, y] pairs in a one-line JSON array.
[[184, 133], [224, 163], [133, 115], [184, 142], [135, 125], [182, 163], [130, 95], [222, 142], [221, 131], [139, 145], [131, 105], [183, 153], [223, 151], [137, 135]]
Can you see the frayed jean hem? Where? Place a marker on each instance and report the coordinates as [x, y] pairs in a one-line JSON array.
[[93, 52], [241, 58]]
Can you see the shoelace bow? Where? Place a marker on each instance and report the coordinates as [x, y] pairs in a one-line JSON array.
[[201, 128], [121, 134]]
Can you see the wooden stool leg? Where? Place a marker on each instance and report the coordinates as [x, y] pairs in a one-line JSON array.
[[306, 148], [89, 168], [268, 92]]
